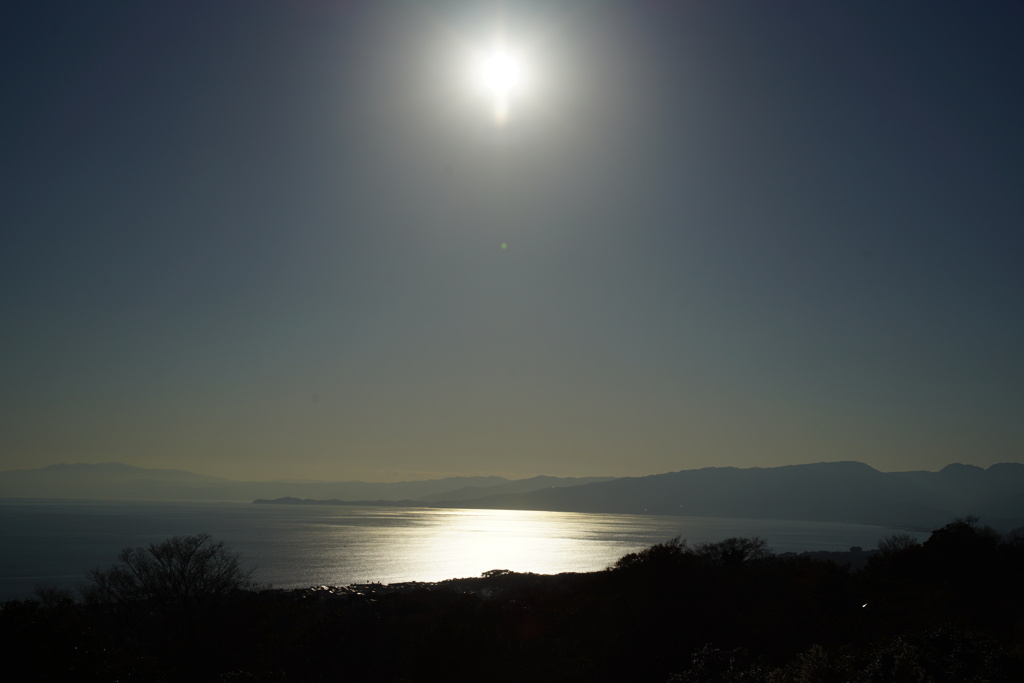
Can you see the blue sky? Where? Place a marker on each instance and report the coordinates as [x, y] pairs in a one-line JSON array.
[[264, 239]]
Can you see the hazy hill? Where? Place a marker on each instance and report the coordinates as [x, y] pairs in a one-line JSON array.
[[354, 490], [117, 481], [103, 480], [969, 484], [836, 492], [518, 486], [995, 494]]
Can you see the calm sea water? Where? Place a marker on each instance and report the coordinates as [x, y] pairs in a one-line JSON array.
[[56, 542]]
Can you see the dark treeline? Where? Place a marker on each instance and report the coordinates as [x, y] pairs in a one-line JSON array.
[[950, 609]]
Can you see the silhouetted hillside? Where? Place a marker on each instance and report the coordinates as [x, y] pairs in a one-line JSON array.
[[729, 611]]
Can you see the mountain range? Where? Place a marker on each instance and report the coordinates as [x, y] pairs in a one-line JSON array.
[[831, 491], [116, 481]]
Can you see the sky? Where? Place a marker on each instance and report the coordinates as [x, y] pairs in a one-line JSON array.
[[289, 239]]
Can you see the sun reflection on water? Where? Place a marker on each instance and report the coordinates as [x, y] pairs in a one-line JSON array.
[[444, 544], [309, 545]]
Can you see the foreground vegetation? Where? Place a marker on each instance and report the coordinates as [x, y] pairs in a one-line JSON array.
[[950, 609]]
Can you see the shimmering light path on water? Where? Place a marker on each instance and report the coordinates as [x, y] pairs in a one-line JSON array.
[[56, 542]]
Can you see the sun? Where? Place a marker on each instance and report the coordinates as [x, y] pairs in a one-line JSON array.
[[501, 77]]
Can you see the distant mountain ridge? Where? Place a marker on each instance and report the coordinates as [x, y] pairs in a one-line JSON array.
[[835, 492], [117, 481], [517, 486], [1001, 486], [830, 491]]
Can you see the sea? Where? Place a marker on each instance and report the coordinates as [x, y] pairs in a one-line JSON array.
[[55, 543]]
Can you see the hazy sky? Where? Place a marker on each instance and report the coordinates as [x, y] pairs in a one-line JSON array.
[[261, 238]]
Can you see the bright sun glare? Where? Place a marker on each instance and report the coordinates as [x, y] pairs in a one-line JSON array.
[[500, 74]]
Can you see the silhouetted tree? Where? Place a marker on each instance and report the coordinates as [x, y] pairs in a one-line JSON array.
[[49, 595], [660, 555], [733, 551], [179, 582], [964, 535], [896, 543], [179, 571]]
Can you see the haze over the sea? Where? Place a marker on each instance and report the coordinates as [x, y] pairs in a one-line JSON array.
[[260, 239]]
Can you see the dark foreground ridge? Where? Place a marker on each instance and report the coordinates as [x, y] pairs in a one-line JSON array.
[[949, 610]]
